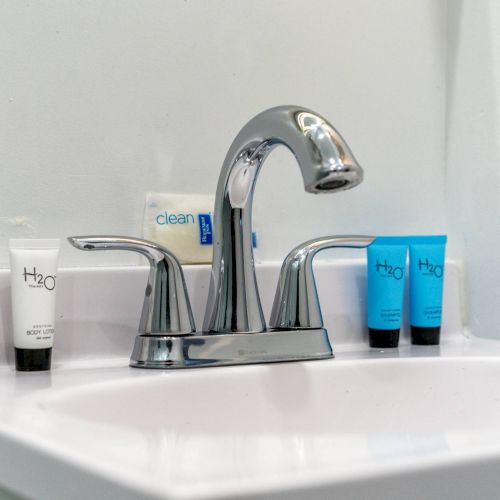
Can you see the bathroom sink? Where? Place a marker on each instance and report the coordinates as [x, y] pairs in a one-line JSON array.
[[328, 427]]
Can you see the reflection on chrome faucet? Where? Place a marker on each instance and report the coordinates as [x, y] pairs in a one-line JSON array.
[[326, 164], [234, 330]]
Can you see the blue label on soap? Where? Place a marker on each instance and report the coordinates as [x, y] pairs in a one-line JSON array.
[[205, 223]]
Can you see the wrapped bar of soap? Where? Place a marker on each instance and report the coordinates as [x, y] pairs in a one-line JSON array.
[[182, 223]]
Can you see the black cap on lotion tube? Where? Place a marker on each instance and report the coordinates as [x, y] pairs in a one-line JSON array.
[[33, 360], [33, 281], [386, 284]]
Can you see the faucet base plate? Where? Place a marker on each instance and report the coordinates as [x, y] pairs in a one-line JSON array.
[[204, 350]]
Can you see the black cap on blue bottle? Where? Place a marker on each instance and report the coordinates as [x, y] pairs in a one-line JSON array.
[[425, 335], [383, 338]]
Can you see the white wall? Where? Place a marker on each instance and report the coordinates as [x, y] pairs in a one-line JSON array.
[[473, 155], [103, 101]]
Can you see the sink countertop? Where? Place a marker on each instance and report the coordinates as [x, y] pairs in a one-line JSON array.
[[371, 422], [39, 425]]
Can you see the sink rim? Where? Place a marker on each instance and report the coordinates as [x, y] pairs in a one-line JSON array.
[[32, 441]]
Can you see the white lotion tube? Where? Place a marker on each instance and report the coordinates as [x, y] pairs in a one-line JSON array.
[[33, 264]]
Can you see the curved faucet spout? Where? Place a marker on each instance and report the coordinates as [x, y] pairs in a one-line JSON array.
[[327, 165]]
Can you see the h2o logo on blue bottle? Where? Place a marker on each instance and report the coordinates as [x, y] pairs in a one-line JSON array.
[[389, 271], [429, 269]]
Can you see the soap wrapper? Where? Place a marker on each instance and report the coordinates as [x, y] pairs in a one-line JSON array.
[[182, 223]]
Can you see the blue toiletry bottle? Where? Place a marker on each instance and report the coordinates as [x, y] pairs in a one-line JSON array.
[[427, 257], [386, 283]]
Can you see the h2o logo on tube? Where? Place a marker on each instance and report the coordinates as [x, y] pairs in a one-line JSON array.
[[38, 280], [430, 268], [396, 272]]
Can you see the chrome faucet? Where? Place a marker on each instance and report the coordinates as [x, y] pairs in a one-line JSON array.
[[327, 165], [234, 329]]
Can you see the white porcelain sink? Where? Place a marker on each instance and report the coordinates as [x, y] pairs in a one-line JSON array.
[[379, 397], [328, 427], [411, 423]]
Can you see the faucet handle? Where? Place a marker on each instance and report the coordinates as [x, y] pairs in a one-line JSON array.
[[166, 309], [296, 304]]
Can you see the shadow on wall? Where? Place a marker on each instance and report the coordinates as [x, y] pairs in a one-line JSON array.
[[473, 154]]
